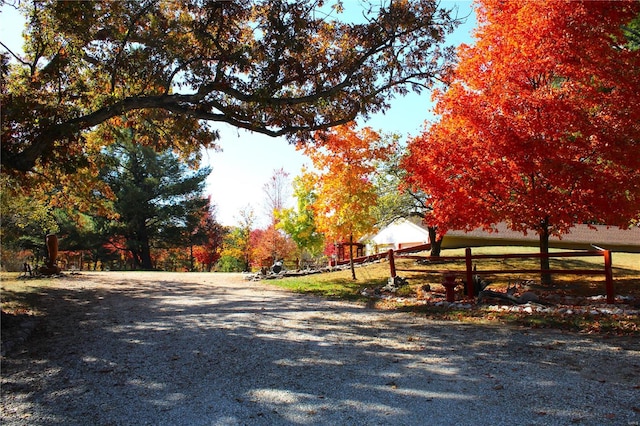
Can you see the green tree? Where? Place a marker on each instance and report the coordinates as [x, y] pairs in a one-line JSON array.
[[299, 222], [236, 251], [273, 67], [232, 257], [88, 235], [25, 222], [155, 196], [632, 32]]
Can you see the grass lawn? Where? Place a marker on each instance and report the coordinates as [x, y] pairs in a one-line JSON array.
[[19, 297], [576, 288]]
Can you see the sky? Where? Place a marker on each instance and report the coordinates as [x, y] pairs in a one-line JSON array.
[[247, 160]]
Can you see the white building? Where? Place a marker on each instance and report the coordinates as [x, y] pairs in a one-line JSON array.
[[404, 233]]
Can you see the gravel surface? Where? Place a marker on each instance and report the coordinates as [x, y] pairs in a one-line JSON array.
[[213, 349]]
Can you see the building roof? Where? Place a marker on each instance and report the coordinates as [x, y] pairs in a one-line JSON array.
[[579, 237]]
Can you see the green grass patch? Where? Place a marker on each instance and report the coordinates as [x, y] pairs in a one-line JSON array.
[[20, 296], [335, 287]]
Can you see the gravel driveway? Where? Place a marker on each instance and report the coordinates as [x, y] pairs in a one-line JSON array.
[[213, 349]]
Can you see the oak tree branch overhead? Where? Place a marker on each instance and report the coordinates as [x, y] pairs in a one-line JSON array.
[[173, 69]]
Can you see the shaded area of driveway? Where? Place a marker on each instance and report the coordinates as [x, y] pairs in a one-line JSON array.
[[212, 349]]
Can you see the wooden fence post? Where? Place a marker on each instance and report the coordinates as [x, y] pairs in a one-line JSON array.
[[469, 263], [392, 264], [608, 273]]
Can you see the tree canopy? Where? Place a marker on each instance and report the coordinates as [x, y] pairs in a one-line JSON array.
[[169, 67], [539, 120], [24, 223]]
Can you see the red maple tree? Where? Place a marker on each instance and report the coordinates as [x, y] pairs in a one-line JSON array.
[[209, 235], [540, 122], [270, 245]]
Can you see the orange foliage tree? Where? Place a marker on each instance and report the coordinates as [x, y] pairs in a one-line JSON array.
[[540, 122], [346, 160]]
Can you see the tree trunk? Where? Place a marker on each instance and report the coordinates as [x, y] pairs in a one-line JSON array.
[[136, 260], [146, 254], [143, 256], [143, 245], [545, 277], [436, 243], [353, 269]]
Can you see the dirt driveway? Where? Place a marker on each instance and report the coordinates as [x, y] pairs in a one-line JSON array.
[[213, 349]]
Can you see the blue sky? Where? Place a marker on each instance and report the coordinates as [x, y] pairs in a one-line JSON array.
[[248, 160]]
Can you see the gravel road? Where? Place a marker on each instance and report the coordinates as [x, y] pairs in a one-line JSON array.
[[212, 349]]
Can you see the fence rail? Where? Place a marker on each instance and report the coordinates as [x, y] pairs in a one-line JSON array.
[[382, 255], [468, 258]]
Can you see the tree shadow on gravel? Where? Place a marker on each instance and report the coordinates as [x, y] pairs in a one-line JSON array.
[[163, 352]]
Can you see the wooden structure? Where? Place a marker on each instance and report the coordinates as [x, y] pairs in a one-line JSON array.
[[343, 250], [469, 271]]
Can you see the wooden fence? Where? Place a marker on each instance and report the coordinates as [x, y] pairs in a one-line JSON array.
[[469, 258], [382, 255]]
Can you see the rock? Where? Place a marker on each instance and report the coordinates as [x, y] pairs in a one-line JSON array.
[[394, 284]]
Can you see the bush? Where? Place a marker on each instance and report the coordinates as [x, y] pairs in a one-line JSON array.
[[230, 264]]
